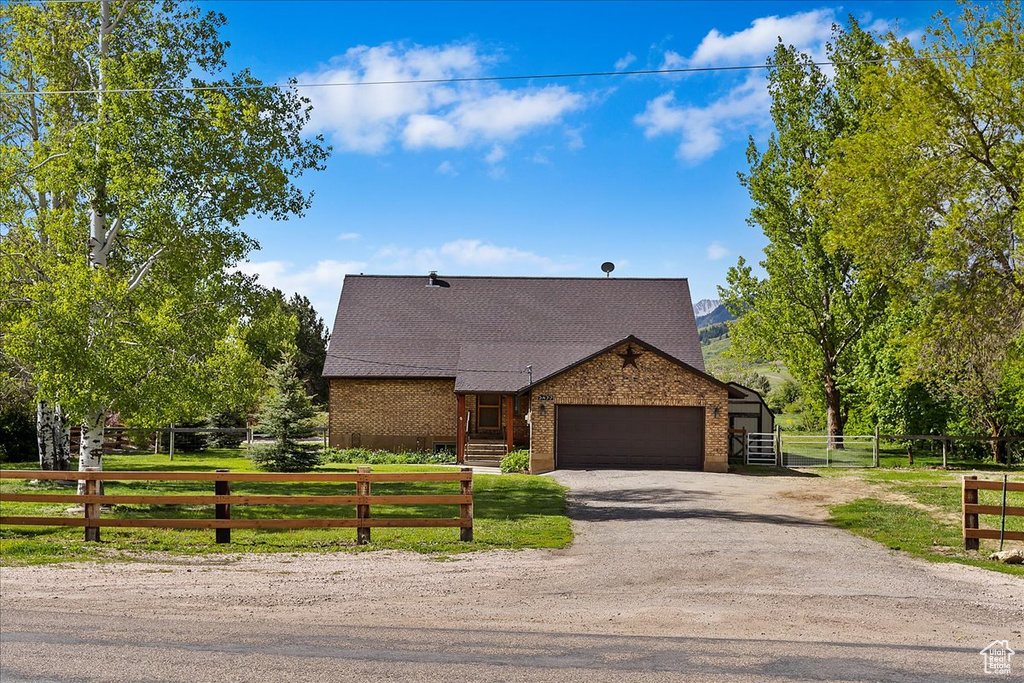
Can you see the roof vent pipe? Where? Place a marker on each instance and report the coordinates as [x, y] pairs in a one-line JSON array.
[[434, 281]]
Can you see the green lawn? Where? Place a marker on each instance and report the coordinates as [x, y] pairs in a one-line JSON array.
[[510, 512], [934, 531]]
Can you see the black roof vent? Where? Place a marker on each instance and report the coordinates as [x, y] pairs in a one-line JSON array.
[[434, 281]]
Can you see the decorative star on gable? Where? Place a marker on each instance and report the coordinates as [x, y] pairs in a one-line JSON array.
[[629, 357]]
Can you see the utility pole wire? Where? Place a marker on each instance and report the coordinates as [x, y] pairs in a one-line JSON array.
[[488, 79]]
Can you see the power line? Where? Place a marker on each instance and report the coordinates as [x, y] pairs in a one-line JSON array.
[[491, 79]]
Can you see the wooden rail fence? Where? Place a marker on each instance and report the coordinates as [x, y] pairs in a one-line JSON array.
[[971, 511], [223, 500]]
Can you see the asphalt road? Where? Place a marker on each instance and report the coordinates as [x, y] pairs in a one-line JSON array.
[[674, 576]]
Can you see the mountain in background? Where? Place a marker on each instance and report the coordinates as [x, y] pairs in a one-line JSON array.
[[705, 306], [710, 311]]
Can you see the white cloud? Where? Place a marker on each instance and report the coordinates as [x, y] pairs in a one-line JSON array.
[[702, 128], [622, 64], [755, 43], [446, 168], [508, 115], [673, 60], [348, 236], [427, 130], [284, 275], [575, 139], [372, 118], [320, 282], [716, 251], [471, 256], [496, 154], [465, 252]]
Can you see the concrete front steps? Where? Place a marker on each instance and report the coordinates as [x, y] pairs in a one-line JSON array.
[[485, 453]]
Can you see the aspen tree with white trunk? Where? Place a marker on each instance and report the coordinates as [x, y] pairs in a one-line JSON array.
[[133, 157]]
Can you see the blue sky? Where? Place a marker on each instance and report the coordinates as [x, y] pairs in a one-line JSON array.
[[542, 177]]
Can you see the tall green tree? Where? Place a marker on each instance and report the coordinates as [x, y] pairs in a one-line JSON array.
[[814, 305], [928, 195], [277, 326], [311, 339], [132, 166]]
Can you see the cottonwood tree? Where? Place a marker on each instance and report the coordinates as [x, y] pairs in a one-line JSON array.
[[133, 165], [814, 304], [928, 195]]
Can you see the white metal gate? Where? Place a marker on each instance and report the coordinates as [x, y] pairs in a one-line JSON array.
[[805, 450], [760, 448]]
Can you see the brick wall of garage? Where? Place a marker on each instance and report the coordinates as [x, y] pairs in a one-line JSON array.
[[656, 381], [393, 414]]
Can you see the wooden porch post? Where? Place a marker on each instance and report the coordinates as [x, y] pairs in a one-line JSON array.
[[508, 425], [460, 430]]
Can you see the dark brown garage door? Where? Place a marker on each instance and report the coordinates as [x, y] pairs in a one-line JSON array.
[[629, 437]]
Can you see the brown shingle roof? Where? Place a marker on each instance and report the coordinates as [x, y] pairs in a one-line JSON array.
[[484, 331]]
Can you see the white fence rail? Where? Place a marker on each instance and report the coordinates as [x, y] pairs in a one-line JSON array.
[[809, 450], [803, 450], [760, 448]]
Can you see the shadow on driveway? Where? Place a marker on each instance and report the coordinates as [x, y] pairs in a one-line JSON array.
[[763, 471], [640, 504]]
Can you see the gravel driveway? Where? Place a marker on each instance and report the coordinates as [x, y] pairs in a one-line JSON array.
[[673, 576]]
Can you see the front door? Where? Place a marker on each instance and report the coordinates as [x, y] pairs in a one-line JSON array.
[[488, 417]]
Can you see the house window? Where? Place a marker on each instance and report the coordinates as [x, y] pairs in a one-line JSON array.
[[488, 411]]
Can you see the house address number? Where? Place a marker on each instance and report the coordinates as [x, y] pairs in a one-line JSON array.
[[545, 397]]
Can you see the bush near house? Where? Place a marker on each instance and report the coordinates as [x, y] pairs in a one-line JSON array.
[[363, 456], [516, 461]]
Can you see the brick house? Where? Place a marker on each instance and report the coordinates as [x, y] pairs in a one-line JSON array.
[[585, 372]]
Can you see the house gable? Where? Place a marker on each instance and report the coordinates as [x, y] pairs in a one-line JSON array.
[[607, 380]]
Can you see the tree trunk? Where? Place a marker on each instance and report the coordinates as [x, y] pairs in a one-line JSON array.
[[999, 448], [52, 436], [91, 449], [833, 413], [63, 449], [44, 436], [91, 454]]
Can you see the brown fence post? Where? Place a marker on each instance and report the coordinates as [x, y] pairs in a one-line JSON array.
[[466, 509], [970, 497], [363, 510], [223, 510], [92, 510], [875, 448]]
